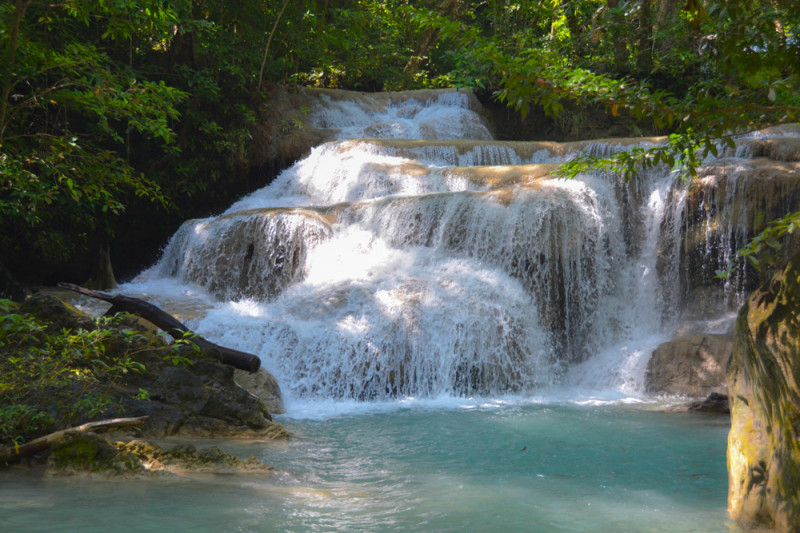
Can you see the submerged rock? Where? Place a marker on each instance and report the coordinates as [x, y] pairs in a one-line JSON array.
[[764, 384], [690, 366], [88, 454]]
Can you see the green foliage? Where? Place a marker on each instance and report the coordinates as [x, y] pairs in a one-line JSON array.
[[52, 378], [54, 192], [105, 104], [67, 108], [681, 152], [175, 354], [64, 375], [764, 250]]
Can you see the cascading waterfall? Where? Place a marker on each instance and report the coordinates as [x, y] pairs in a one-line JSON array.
[[385, 265]]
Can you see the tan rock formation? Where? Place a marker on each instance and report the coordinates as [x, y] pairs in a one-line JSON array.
[[763, 381], [689, 366]]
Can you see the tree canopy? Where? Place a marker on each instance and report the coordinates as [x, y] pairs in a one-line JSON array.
[[106, 104]]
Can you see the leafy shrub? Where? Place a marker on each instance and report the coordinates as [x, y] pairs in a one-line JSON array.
[[55, 377]]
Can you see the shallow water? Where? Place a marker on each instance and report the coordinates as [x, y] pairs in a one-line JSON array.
[[465, 467]]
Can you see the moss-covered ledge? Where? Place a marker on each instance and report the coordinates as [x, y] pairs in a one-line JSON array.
[[763, 378]]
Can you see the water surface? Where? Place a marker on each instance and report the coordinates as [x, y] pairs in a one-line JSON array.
[[490, 467]]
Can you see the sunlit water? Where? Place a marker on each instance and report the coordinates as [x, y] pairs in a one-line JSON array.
[[467, 466]]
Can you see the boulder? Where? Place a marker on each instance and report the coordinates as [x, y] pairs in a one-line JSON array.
[[689, 366], [263, 385], [202, 400], [764, 386]]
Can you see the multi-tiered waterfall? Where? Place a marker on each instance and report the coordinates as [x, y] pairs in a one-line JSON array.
[[413, 255]]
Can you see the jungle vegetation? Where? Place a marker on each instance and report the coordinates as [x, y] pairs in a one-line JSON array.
[[120, 108]]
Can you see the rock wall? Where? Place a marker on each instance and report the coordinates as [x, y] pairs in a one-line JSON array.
[[763, 378]]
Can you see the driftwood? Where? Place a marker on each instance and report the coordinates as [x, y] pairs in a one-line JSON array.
[[14, 453], [171, 325]]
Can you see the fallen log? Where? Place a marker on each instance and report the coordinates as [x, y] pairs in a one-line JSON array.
[[10, 454], [171, 325]]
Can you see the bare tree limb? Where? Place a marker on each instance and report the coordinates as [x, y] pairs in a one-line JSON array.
[[269, 42]]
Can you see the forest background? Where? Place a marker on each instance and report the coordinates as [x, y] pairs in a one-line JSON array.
[[121, 118]]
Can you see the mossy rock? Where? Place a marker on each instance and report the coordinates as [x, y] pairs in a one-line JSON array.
[[764, 387], [87, 453]]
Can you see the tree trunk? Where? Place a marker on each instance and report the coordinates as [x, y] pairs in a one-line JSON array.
[[171, 325], [444, 8], [11, 58], [644, 55], [102, 275], [269, 42], [617, 24]]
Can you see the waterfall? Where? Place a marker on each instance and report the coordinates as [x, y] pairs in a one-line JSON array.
[[413, 255]]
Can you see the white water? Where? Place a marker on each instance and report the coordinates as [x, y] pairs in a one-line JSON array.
[[396, 271]]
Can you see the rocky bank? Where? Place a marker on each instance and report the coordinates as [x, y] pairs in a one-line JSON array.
[[183, 392]]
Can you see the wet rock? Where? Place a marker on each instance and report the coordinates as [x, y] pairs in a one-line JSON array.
[[186, 458], [730, 203], [715, 403], [764, 385], [88, 453], [255, 253], [690, 366]]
